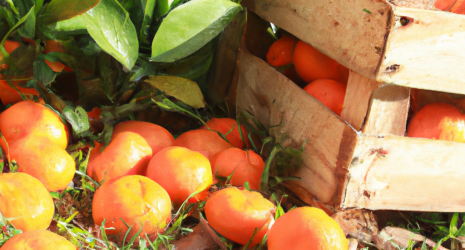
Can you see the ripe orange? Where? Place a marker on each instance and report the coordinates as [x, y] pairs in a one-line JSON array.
[[54, 46], [236, 213], [280, 52], [247, 166], [438, 121], [9, 95], [156, 136], [50, 164], [181, 172], [127, 154], [224, 125], [10, 46], [206, 142], [94, 113], [312, 65], [38, 240], [139, 201], [306, 228], [96, 151], [454, 6], [329, 92], [26, 201], [30, 119]]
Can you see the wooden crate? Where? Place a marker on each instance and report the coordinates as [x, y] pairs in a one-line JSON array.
[[359, 160], [418, 48]]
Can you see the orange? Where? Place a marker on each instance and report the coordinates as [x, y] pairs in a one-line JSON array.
[[206, 142], [181, 172], [247, 166], [438, 121], [329, 92], [236, 213], [156, 136], [10, 46], [312, 65], [94, 113], [127, 154], [96, 151], [38, 240], [54, 46], [139, 201], [454, 6], [9, 95], [26, 201], [50, 164], [30, 119], [224, 125], [306, 228], [280, 52]]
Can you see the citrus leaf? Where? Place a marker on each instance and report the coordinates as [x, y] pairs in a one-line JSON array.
[[59, 10], [180, 88], [189, 27], [109, 25], [162, 8], [149, 8], [28, 29]]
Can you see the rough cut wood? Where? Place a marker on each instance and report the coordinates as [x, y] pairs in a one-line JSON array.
[[388, 111], [404, 46], [402, 173], [274, 99]]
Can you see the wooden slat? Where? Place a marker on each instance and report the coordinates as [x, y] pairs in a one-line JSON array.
[[428, 52], [275, 100], [401, 173], [388, 111], [357, 99]]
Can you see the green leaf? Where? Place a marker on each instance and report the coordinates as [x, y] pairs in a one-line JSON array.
[[453, 224], [78, 120], [28, 29], [21, 21], [163, 6], [149, 7], [110, 26], [182, 89], [59, 10], [42, 72], [189, 27]]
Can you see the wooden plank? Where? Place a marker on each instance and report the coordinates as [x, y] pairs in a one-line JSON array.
[[388, 111], [427, 53], [274, 100], [417, 4], [427, 178], [340, 29], [357, 99]]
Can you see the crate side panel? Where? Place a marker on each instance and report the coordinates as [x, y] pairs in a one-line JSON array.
[[351, 32], [427, 178], [275, 100], [426, 53]]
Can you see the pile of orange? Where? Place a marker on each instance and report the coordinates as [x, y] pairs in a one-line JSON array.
[[326, 78]]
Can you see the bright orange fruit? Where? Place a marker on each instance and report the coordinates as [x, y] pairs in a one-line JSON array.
[[306, 228], [54, 46], [26, 201], [9, 95], [38, 240], [312, 65], [156, 136], [280, 52], [10, 46], [30, 119], [50, 164], [246, 165], [438, 121], [127, 154], [206, 142], [181, 172], [329, 92], [139, 201], [224, 125], [236, 213]]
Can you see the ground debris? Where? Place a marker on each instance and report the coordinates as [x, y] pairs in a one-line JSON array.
[[392, 238]]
